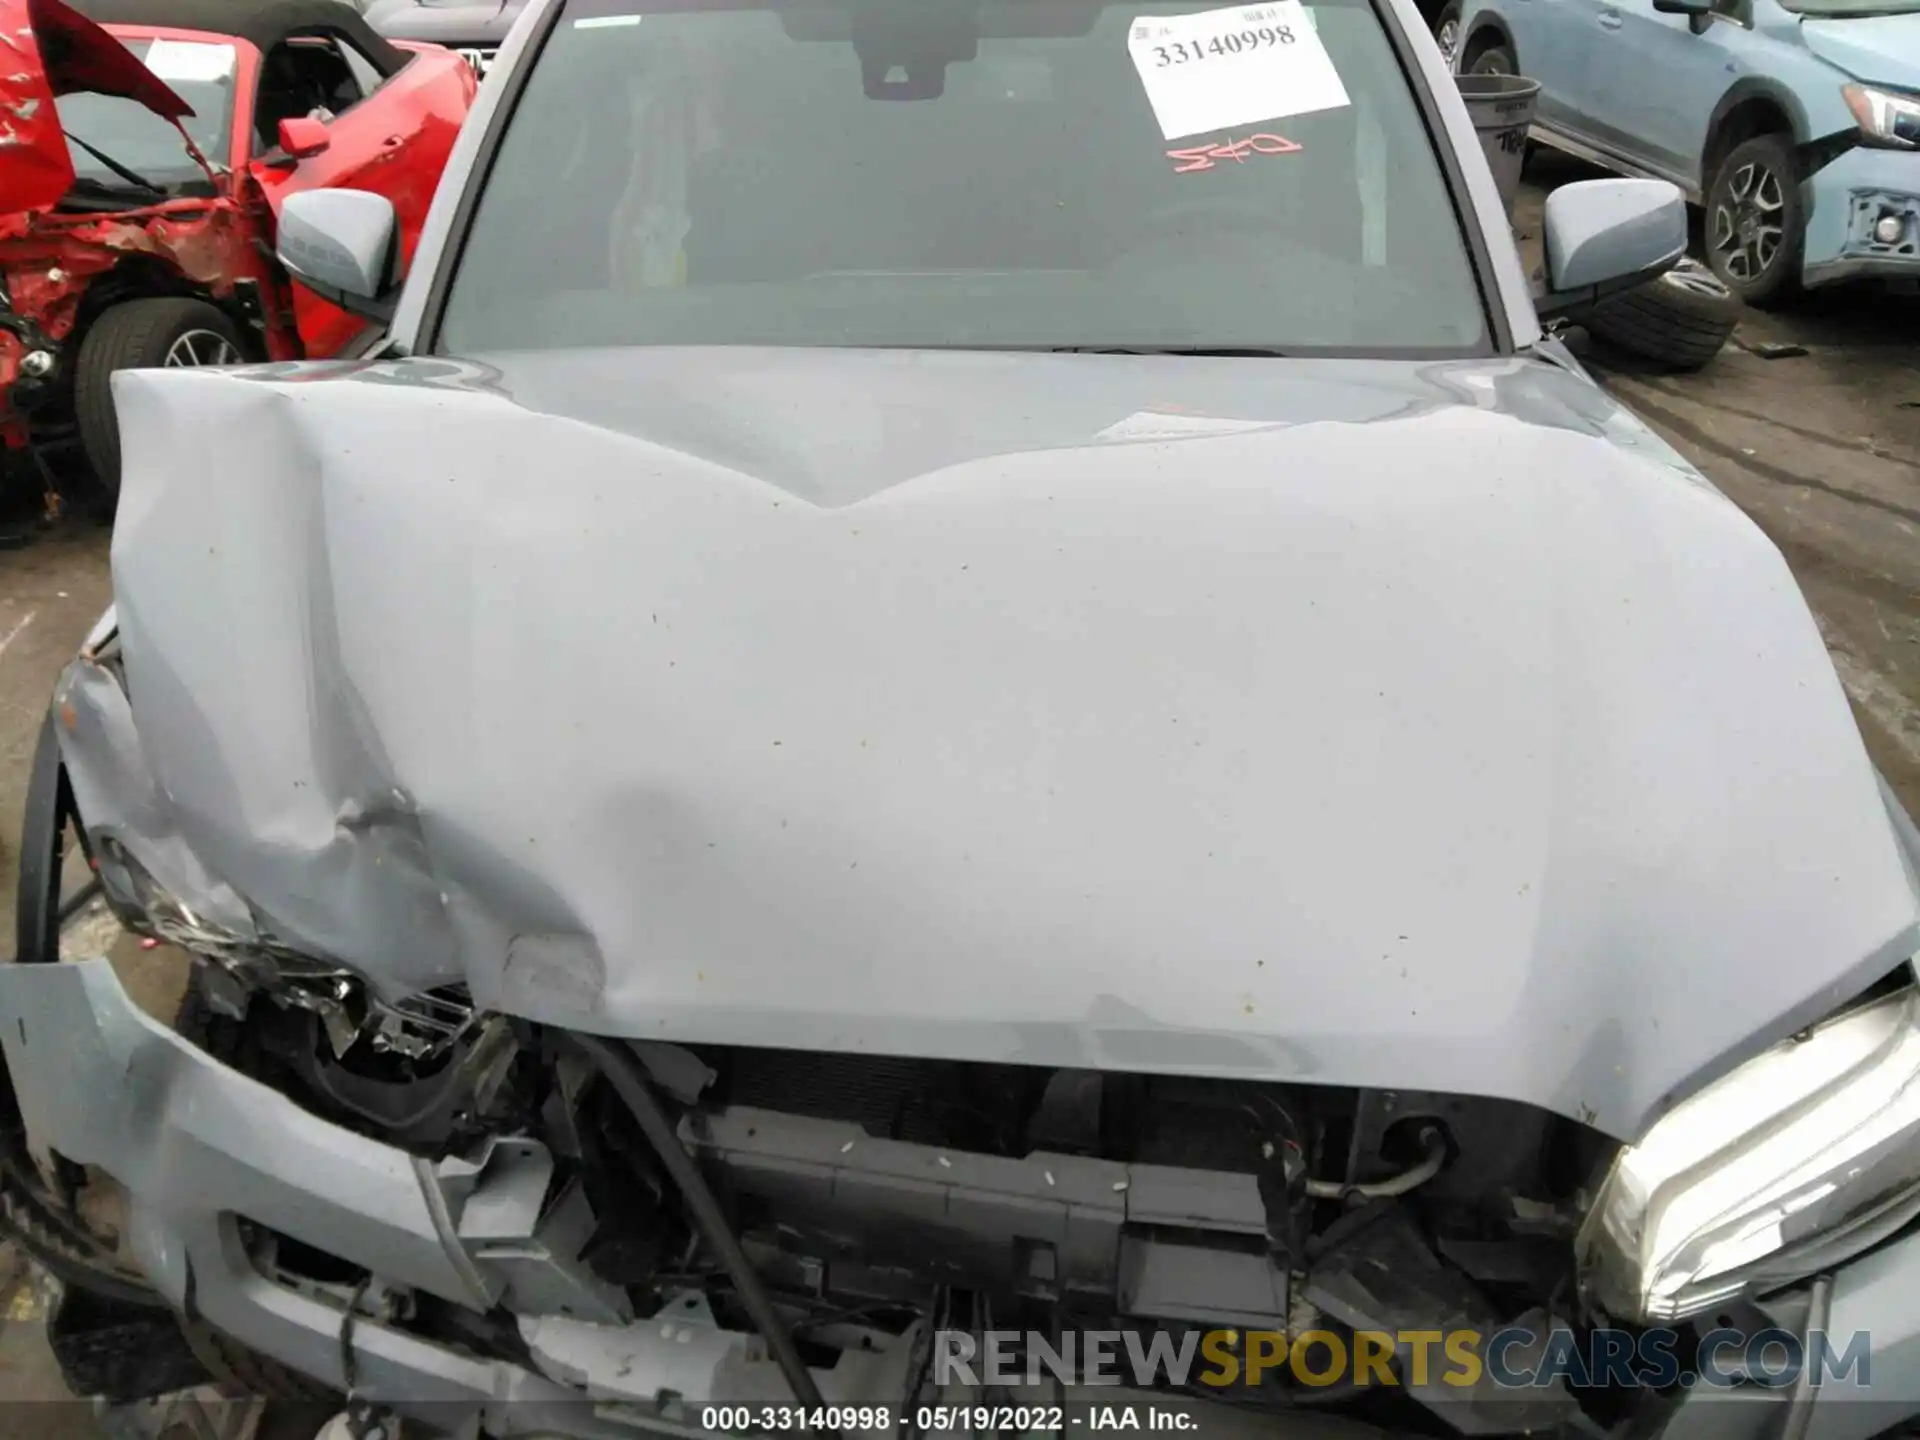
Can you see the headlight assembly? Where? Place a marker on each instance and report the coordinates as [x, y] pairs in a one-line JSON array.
[[1802, 1156], [1883, 116]]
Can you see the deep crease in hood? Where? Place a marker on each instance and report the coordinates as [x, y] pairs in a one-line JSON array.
[[1875, 49], [48, 49], [1423, 726]]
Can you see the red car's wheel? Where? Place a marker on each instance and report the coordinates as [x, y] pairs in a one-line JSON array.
[[140, 335]]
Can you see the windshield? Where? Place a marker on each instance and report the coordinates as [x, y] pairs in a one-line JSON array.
[[200, 73], [999, 174]]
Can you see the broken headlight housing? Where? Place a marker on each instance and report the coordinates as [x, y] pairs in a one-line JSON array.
[[1803, 1156], [1884, 116]]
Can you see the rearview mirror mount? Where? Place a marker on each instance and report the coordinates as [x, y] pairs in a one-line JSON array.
[[344, 246], [1605, 236]]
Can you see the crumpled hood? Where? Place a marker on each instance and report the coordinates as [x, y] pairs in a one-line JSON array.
[[48, 49], [1876, 49], [1354, 723]]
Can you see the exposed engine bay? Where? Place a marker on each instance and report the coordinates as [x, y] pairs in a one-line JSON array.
[[878, 1200]]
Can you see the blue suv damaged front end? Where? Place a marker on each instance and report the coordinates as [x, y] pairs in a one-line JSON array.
[[1864, 205]]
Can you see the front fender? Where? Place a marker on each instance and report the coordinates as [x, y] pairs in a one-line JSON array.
[[1805, 86], [1766, 88], [1480, 19]]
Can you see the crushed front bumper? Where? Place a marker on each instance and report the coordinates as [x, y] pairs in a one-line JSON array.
[[199, 1148], [1877, 1399], [208, 1156], [1848, 199]]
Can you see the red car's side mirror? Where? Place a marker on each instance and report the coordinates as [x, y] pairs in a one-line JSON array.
[[302, 135]]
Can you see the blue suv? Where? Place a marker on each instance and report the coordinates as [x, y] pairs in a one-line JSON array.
[[1794, 124]]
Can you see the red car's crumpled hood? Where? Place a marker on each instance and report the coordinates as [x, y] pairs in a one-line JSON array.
[[48, 49]]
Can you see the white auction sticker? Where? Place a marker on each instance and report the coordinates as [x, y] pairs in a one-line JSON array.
[[1238, 66], [189, 61]]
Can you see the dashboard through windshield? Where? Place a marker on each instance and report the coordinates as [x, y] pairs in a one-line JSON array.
[[1011, 174]]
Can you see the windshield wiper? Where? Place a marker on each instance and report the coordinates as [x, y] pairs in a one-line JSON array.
[[132, 177]]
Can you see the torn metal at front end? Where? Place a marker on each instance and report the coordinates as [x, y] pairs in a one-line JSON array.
[[119, 800], [219, 1172], [51, 261]]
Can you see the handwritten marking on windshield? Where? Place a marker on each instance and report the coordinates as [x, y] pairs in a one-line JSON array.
[[1201, 157]]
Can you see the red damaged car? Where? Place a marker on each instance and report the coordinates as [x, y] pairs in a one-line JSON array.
[[145, 149]]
